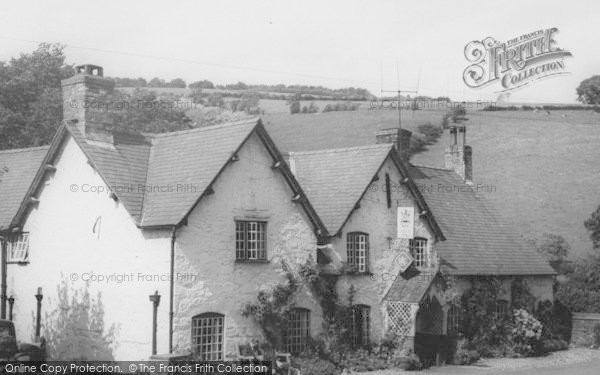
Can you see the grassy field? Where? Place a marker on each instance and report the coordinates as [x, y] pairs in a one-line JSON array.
[[543, 170]]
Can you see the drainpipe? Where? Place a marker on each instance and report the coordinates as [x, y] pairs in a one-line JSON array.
[[11, 303], [172, 289], [3, 269]]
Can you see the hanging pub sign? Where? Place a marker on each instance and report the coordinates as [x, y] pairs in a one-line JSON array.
[[406, 222]]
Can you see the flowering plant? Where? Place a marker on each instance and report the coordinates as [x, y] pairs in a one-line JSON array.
[[526, 333]]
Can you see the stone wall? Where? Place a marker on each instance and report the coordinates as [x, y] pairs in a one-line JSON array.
[[380, 222], [583, 328], [248, 188]]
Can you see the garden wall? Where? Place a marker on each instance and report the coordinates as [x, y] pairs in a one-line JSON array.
[[583, 328]]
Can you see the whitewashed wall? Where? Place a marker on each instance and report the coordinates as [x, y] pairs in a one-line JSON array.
[[62, 244]]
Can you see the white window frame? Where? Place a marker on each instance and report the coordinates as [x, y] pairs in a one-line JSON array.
[[250, 240], [17, 248], [208, 336], [357, 250], [420, 252]]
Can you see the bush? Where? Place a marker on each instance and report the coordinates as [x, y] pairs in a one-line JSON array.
[[554, 345], [556, 320], [430, 132], [465, 356], [526, 334], [313, 365], [294, 107]]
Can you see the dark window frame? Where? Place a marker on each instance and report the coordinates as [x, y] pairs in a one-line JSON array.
[[297, 333]]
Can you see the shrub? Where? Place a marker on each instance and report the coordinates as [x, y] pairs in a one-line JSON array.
[[556, 320], [465, 356], [294, 107], [430, 132], [75, 329], [313, 365], [526, 334]]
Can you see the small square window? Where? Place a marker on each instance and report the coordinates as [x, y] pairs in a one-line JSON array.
[[18, 247]]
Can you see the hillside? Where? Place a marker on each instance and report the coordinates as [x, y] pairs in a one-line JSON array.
[[543, 171]]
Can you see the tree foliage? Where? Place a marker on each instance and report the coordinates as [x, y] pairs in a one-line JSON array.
[[30, 96], [588, 91], [143, 111], [592, 224], [75, 329]]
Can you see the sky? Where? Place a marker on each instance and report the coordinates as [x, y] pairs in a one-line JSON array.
[[376, 44]]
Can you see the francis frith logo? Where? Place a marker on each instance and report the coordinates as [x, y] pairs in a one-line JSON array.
[[515, 63]]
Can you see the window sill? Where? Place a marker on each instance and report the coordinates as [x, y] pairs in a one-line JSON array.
[[253, 261], [20, 262]]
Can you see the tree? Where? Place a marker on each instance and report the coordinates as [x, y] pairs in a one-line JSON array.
[[30, 96], [588, 91], [556, 250], [294, 107], [157, 82], [177, 83], [592, 224], [144, 111], [204, 84]]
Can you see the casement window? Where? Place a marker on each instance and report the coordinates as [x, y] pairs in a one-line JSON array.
[[453, 319], [357, 248], [298, 330], [207, 336], [418, 250], [501, 308], [18, 247], [361, 321], [250, 240]]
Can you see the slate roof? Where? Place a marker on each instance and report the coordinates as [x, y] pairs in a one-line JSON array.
[[478, 239], [334, 180], [17, 170], [159, 178], [189, 160], [124, 166], [410, 288]]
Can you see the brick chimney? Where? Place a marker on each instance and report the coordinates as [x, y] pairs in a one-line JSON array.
[[399, 137], [81, 105], [459, 156]]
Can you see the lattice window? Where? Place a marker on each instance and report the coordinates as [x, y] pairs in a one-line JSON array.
[[501, 308], [207, 336], [357, 247], [18, 247], [298, 330], [453, 318], [361, 321], [418, 250], [400, 318], [250, 240]]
